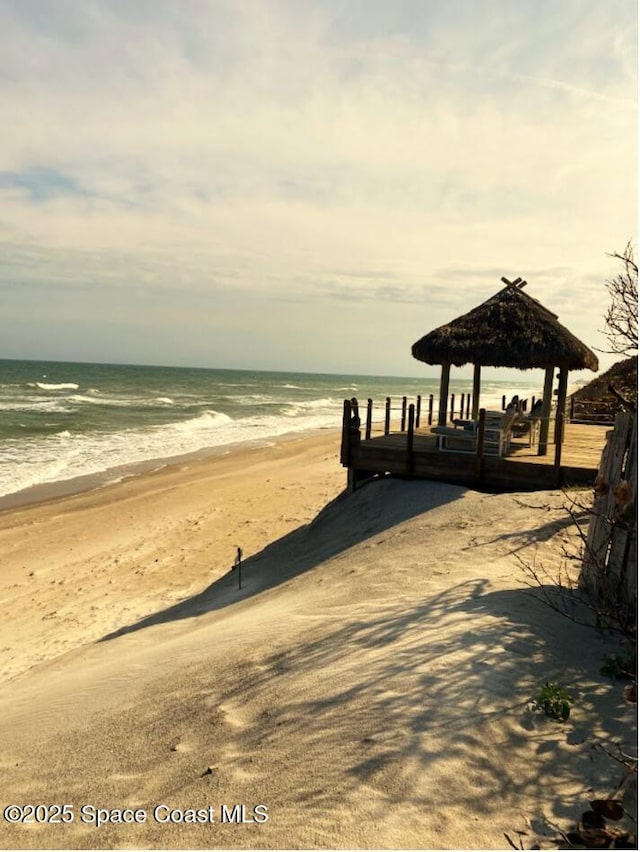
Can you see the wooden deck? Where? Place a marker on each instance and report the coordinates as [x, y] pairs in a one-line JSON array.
[[418, 456]]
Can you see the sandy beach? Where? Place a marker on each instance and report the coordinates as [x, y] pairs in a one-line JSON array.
[[369, 686]]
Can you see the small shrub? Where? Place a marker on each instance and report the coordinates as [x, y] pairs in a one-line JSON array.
[[555, 701]]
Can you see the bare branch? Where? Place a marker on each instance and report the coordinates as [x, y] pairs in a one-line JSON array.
[[621, 319]]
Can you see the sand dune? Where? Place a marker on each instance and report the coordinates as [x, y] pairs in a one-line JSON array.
[[369, 684]]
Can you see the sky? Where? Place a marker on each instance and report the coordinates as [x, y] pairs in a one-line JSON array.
[[306, 185]]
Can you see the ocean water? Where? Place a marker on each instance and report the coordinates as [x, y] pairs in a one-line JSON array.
[[59, 421]]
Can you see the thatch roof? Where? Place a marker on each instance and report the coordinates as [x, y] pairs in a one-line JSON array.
[[510, 329]]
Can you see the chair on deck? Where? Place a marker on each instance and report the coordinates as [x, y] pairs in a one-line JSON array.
[[497, 434], [528, 425]]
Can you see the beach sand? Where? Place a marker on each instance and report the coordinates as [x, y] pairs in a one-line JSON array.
[[369, 684]]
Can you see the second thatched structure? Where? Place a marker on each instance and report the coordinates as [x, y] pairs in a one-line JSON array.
[[511, 329]]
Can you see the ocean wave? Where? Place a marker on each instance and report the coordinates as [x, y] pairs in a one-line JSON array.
[[58, 386], [207, 420], [164, 399], [294, 409], [66, 455]]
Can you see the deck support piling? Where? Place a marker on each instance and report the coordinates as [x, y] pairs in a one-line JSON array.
[[410, 432], [475, 407], [367, 433], [546, 411], [430, 418], [444, 393], [480, 445], [403, 422], [387, 416], [418, 409]]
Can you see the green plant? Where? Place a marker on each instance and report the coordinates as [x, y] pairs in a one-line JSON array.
[[555, 701]]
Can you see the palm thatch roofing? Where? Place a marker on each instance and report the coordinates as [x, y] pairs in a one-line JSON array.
[[511, 329]]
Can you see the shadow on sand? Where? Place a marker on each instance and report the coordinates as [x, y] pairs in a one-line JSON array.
[[346, 521]]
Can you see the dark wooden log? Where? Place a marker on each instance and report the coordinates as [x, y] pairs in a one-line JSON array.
[[403, 421], [367, 433], [453, 405], [461, 406], [387, 416], [418, 410], [504, 402], [430, 418], [468, 406]]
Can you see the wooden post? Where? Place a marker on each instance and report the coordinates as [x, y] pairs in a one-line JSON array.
[[387, 416], [430, 417], [403, 422], [523, 405], [468, 405], [367, 432], [475, 407], [444, 393], [504, 402], [346, 421], [418, 409], [572, 411], [461, 406], [562, 401], [453, 405], [558, 448], [480, 444], [545, 414], [412, 417]]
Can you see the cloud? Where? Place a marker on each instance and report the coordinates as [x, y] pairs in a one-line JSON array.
[[369, 153]]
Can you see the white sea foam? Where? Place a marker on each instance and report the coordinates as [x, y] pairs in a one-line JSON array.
[[60, 386], [66, 455], [206, 420], [165, 399]]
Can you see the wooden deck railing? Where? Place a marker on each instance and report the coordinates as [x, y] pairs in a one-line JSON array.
[[375, 447]]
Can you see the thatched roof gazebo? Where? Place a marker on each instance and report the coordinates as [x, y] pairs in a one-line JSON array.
[[511, 329]]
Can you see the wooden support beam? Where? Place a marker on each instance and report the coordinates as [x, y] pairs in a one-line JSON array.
[[480, 445], [546, 411], [412, 418], [475, 405], [346, 421], [562, 401], [403, 421], [387, 416], [444, 393], [430, 418], [367, 432], [418, 409]]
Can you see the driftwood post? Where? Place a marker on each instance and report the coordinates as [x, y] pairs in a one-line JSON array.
[[367, 432], [403, 421], [418, 409], [430, 409], [387, 416]]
